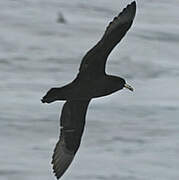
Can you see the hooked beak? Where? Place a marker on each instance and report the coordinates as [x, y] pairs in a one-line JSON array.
[[129, 87]]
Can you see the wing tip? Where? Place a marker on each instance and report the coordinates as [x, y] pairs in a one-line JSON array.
[[133, 3], [129, 11], [61, 158], [132, 6]]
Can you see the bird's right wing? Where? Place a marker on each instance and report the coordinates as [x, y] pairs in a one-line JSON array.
[[93, 63], [72, 123]]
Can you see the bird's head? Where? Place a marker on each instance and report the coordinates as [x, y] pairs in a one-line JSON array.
[[120, 83], [123, 84]]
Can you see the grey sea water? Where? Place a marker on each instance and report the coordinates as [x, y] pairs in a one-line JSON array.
[[128, 136]]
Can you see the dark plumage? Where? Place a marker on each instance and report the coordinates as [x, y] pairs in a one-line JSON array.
[[91, 82]]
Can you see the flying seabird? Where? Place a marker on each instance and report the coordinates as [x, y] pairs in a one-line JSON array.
[[91, 82]]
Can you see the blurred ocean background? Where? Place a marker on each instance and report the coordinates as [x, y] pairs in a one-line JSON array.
[[128, 136]]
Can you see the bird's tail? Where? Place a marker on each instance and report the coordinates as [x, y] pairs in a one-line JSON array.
[[54, 94]]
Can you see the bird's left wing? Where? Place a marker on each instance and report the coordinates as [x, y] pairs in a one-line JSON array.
[[93, 63], [72, 123]]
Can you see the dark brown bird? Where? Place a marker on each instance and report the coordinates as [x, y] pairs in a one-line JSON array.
[[91, 82]]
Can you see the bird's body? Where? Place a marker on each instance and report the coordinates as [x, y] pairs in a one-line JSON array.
[[86, 89], [91, 82]]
